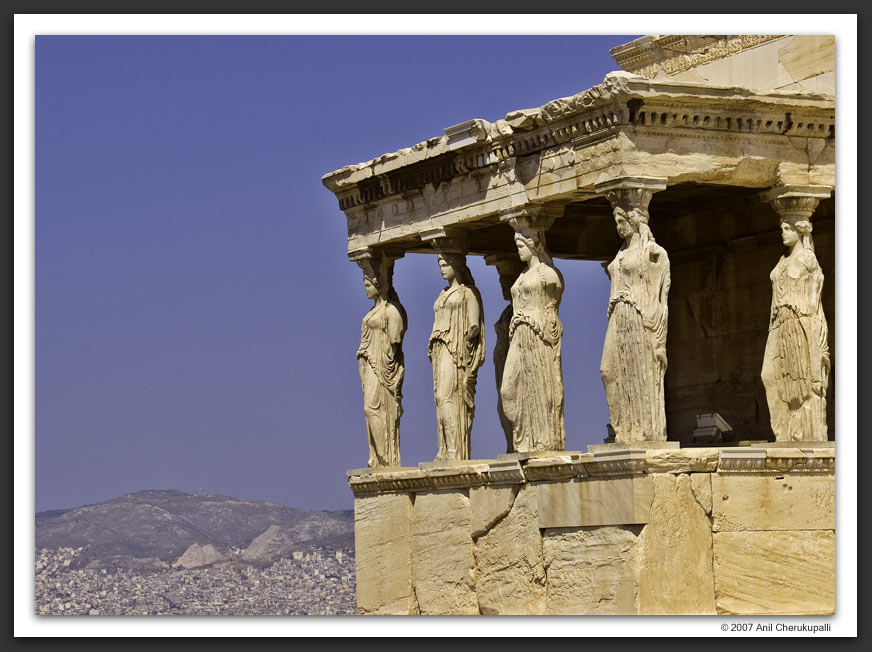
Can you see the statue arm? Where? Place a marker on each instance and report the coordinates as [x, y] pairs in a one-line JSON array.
[[661, 301], [395, 329], [823, 333], [552, 282], [475, 341], [473, 315]]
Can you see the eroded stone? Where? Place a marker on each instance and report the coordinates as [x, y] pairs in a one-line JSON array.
[[382, 544], [775, 572], [443, 568], [488, 505], [773, 502], [682, 460], [595, 501], [675, 574], [510, 576], [701, 485], [592, 570]]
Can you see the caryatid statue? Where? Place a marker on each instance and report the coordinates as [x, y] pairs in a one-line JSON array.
[[532, 383], [509, 267], [456, 350], [796, 362], [634, 353], [380, 362]]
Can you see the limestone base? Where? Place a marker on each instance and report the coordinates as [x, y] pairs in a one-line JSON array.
[[660, 531]]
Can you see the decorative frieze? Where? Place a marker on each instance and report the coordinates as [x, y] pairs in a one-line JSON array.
[[622, 101], [673, 54], [554, 468], [776, 460], [741, 460], [618, 462], [505, 472]]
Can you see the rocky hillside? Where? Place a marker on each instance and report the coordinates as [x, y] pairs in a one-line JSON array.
[[150, 527]]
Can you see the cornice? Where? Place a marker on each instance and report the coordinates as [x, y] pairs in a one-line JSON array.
[[623, 102], [673, 54], [601, 464]]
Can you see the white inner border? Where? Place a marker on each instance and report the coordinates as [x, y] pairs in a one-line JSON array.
[[844, 623]]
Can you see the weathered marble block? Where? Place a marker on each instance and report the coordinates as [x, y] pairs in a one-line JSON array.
[[676, 551], [510, 575], [775, 572], [595, 501], [442, 567], [382, 543], [592, 570], [773, 502]]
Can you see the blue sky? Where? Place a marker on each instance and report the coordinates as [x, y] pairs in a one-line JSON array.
[[196, 316]]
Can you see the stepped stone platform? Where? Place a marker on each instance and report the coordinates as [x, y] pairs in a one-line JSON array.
[[733, 530]]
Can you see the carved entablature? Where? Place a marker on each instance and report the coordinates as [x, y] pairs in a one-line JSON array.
[[649, 55], [558, 152], [578, 466], [793, 460]]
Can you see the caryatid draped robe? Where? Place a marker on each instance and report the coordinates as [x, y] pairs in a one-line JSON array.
[[455, 360], [634, 354]]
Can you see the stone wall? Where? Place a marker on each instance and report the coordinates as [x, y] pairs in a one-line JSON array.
[[736, 530]]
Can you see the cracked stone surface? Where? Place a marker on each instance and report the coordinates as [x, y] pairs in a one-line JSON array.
[[701, 485], [488, 505], [775, 572], [509, 561], [382, 537], [443, 568], [592, 570], [675, 574], [772, 502]]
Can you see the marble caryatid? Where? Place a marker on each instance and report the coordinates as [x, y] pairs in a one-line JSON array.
[[796, 363], [380, 362], [532, 385], [508, 267], [456, 350], [634, 354]]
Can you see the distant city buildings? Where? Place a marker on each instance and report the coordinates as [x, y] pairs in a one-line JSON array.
[[320, 582]]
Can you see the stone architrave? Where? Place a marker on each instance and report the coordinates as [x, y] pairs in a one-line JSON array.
[[634, 353], [796, 363], [509, 267], [456, 348], [532, 383], [380, 361]]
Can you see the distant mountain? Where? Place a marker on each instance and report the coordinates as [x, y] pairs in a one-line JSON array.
[[161, 525]]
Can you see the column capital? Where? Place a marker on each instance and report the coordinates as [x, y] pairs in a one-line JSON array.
[[629, 193], [375, 263], [795, 202], [506, 264], [530, 218], [447, 240]]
